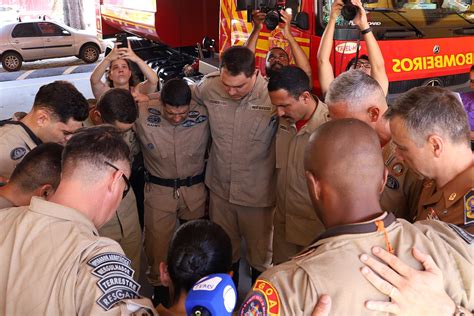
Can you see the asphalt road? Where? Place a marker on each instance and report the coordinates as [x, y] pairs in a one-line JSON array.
[[47, 68]]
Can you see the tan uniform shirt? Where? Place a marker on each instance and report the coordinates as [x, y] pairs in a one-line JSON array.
[[241, 166], [15, 143], [53, 262], [4, 203], [403, 186], [174, 152], [332, 266], [454, 203], [294, 205]]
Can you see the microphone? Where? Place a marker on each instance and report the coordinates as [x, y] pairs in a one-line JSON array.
[[213, 295]]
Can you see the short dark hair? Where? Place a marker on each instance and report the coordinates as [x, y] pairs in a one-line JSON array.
[[428, 110], [117, 105], [40, 166], [176, 92], [197, 249], [93, 146], [63, 100], [290, 78], [351, 63], [237, 60]]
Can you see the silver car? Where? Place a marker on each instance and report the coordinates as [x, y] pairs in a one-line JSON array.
[[34, 40]]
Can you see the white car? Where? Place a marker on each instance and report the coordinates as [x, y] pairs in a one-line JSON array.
[[34, 40]]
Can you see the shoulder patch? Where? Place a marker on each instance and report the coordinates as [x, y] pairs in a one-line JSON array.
[[108, 257], [109, 299], [466, 236], [115, 281], [112, 267], [115, 278], [392, 183], [153, 119], [193, 114], [154, 111], [188, 123], [469, 208], [264, 300], [201, 118], [17, 153]]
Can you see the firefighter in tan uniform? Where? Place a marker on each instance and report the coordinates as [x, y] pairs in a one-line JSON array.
[[354, 94], [37, 174], [241, 167], [437, 147], [173, 135], [117, 107], [64, 267], [295, 223], [58, 110], [347, 200]]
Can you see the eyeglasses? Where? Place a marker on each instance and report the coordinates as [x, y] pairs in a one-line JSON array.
[[127, 182]]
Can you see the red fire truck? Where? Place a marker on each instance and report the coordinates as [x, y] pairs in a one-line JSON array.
[[424, 42]]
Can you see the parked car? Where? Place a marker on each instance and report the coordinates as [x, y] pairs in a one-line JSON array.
[[35, 40]]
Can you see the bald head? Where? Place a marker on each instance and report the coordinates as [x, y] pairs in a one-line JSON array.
[[343, 160]]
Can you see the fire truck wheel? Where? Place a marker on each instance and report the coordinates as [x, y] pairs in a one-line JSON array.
[[89, 53], [11, 61]]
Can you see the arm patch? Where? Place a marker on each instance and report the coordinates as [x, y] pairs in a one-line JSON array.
[[263, 300], [115, 278]]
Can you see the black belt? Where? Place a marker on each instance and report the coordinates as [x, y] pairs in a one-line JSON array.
[[174, 183]]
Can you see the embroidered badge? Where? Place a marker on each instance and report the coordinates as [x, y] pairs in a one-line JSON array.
[[398, 169], [17, 153], [193, 114], [109, 267], [201, 118], [108, 257], [150, 146], [115, 278], [154, 111], [109, 299], [261, 107], [217, 102], [117, 281], [254, 305], [264, 300], [153, 119], [188, 123], [392, 183], [469, 208]]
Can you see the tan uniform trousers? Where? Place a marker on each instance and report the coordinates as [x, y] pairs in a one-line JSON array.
[[283, 250], [160, 225], [124, 228], [254, 224]]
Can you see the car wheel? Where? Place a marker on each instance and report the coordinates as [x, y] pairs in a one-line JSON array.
[[89, 53], [11, 61]]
